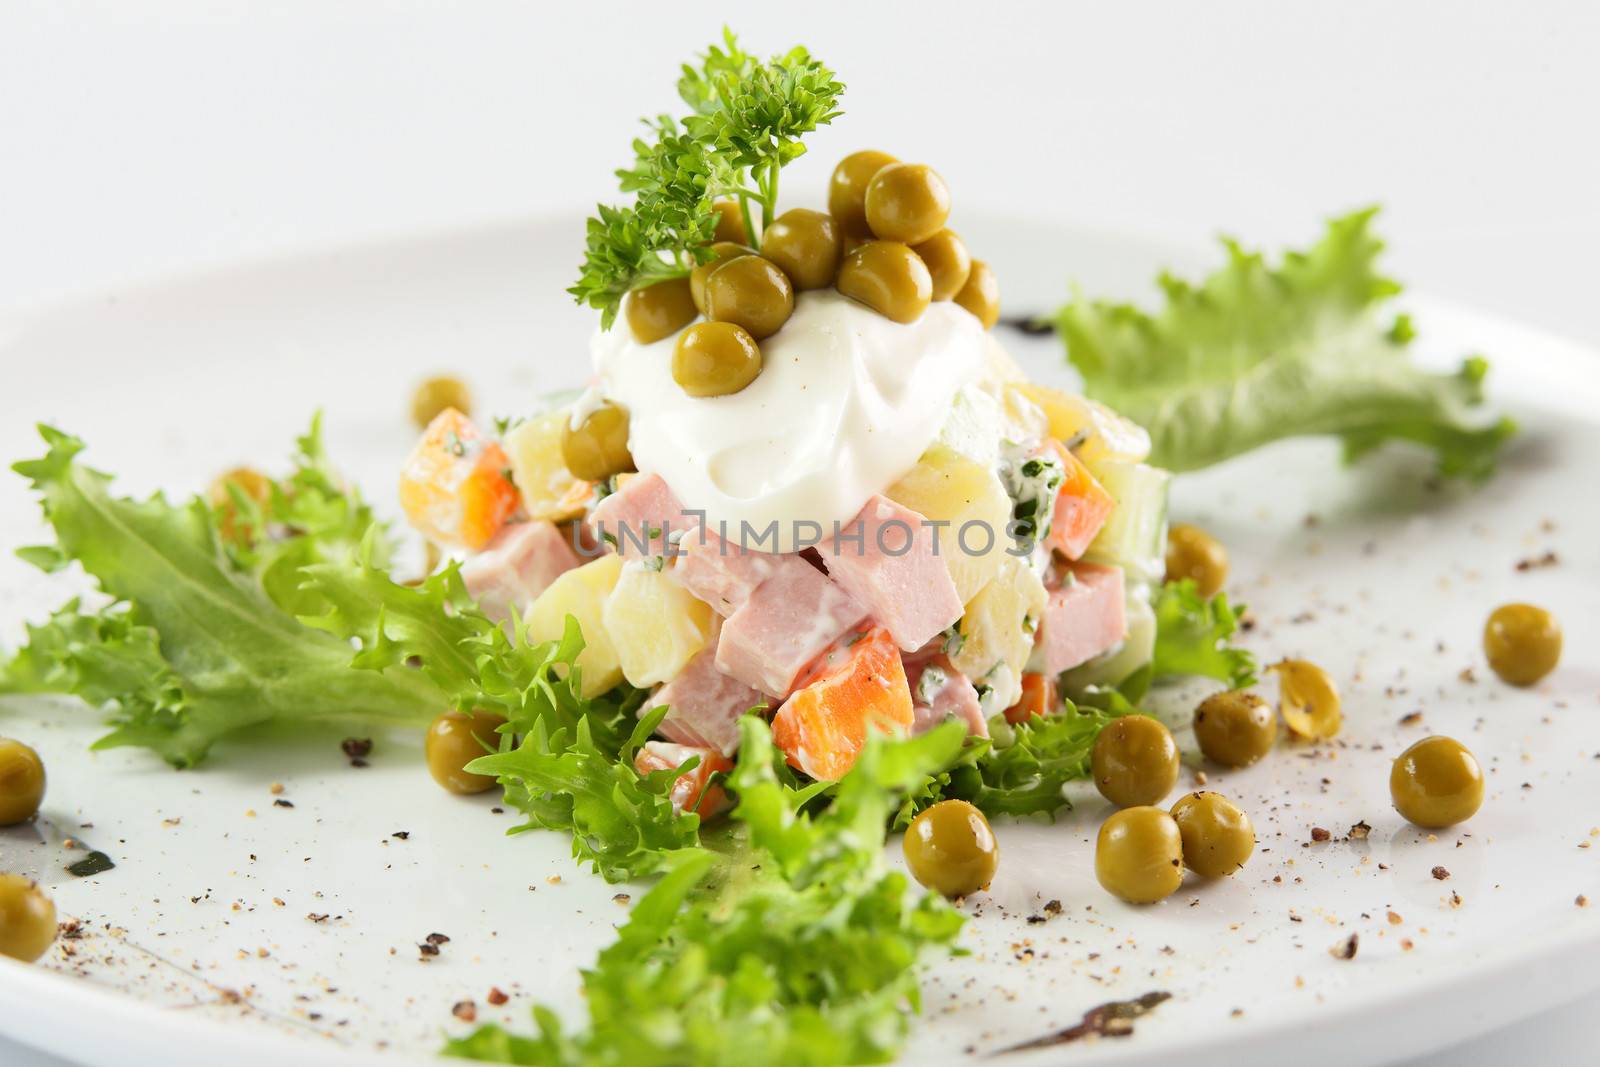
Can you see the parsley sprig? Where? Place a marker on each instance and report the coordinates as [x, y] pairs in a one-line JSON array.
[[746, 121]]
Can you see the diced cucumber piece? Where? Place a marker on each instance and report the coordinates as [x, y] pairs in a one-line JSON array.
[[1135, 536]]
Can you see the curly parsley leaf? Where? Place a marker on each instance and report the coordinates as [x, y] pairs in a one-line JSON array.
[[753, 115], [1257, 352], [198, 643], [746, 123], [627, 249]]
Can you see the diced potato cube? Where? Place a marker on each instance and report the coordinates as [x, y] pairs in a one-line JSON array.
[[1023, 420], [1105, 434], [654, 623], [996, 633], [582, 593], [549, 491], [946, 486]]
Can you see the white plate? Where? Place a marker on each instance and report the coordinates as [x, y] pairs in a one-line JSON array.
[[197, 947]]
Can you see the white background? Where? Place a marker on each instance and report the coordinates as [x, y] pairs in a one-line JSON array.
[[139, 140]]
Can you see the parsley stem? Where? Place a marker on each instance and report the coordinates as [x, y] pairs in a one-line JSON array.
[[749, 226], [770, 201]]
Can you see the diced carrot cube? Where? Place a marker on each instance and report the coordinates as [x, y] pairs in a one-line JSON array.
[[694, 790], [1082, 506], [1038, 698], [860, 686], [454, 487], [576, 499]]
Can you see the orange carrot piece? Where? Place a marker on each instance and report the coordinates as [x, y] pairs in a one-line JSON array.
[[1038, 698], [694, 790], [1082, 506], [823, 725], [575, 500], [454, 487]]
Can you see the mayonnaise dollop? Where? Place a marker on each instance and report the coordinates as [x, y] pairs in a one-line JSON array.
[[846, 403]]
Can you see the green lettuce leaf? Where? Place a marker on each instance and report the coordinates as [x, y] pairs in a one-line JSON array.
[[310, 517], [198, 643], [572, 770], [1257, 352], [797, 949], [1028, 765], [435, 628], [1020, 769], [292, 617], [1192, 635], [622, 823]]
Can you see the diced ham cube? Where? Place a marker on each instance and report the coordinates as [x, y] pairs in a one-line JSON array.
[[885, 558], [721, 573], [939, 692], [789, 620], [639, 517], [1083, 616], [518, 565], [705, 705], [693, 791]]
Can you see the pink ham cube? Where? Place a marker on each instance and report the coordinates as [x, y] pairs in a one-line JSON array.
[[720, 573], [518, 565], [641, 516], [789, 620], [1083, 616], [705, 704], [884, 558], [940, 692]]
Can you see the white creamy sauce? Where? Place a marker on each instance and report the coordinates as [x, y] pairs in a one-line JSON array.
[[846, 403], [587, 403]]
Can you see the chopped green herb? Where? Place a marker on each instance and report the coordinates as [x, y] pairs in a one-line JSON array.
[[933, 679], [96, 862]]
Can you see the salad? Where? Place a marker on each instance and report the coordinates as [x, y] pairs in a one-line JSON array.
[[866, 521], [807, 562]]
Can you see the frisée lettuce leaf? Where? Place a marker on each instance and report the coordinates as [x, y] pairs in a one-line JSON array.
[[197, 642], [798, 948], [1192, 637], [622, 823], [279, 611], [1257, 352]]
